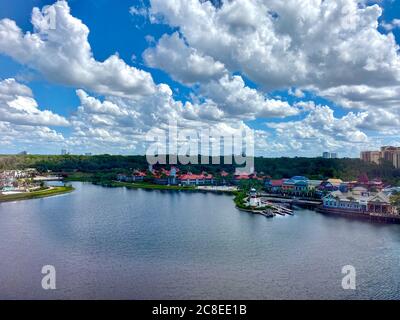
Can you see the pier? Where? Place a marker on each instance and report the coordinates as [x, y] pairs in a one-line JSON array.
[[281, 210], [304, 203], [270, 209]]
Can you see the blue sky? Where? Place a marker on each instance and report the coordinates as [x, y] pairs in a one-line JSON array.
[[302, 110]]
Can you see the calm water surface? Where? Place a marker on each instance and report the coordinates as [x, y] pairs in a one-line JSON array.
[[137, 244]]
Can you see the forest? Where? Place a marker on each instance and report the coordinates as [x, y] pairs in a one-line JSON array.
[[276, 168]]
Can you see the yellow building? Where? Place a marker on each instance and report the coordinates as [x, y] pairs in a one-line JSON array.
[[335, 182]]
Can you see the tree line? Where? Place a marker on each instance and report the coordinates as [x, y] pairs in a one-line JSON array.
[[276, 168]]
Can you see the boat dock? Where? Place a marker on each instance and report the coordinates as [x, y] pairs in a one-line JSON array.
[[272, 210], [279, 209], [305, 203]]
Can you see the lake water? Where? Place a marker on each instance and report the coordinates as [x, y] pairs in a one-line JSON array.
[[137, 244]]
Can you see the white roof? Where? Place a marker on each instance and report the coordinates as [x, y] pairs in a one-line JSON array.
[[350, 196]]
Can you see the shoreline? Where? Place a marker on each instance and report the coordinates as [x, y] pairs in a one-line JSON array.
[[358, 215], [36, 194], [238, 197], [151, 186], [142, 185]]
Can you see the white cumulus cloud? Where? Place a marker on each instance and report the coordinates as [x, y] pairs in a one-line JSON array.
[[17, 106], [59, 49]]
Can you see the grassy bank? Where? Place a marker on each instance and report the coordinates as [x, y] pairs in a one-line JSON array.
[[106, 180], [36, 194], [81, 177]]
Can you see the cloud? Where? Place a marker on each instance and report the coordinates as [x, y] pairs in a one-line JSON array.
[[17, 106], [29, 136], [59, 49], [296, 93], [132, 103], [294, 43], [382, 105], [329, 48], [117, 124], [22, 123], [182, 63], [238, 100], [332, 49], [364, 97], [320, 130], [389, 26], [141, 11], [219, 89]]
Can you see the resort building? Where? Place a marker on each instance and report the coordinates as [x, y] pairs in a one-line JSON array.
[[224, 178], [387, 153], [314, 184], [166, 177], [371, 156], [138, 176], [359, 200], [243, 177], [124, 178], [326, 186], [298, 186], [301, 184], [374, 185], [273, 186], [391, 190], [288, 186], [17, 180], [190, 179], [335, 182]]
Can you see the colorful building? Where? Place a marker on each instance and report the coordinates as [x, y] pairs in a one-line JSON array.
[[359, 200], [297, 185], [273, 186]]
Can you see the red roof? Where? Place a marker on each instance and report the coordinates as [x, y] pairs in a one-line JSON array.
[[139, 174], [191, 176], [242, 177], [248, 176], [277, 183], [166, 172], [363, 178]]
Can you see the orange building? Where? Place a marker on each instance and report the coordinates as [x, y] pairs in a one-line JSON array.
[[387, 153]]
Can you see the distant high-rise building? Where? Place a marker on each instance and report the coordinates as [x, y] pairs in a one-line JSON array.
[[371, 156], [329, 155], [23, 153], [387, 153], [396, 159], [64, 152], [88, 154]]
